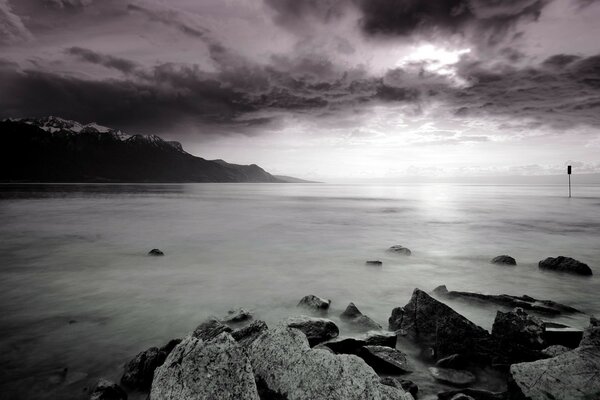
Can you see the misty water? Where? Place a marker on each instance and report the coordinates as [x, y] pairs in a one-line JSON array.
[[78, 291]]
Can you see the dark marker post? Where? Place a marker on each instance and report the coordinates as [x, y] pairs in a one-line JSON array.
[[569, 173]]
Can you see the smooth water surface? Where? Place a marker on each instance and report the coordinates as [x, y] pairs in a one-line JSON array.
[[78, 291]]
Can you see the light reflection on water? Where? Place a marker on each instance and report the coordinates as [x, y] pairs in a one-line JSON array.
[[77, 289]]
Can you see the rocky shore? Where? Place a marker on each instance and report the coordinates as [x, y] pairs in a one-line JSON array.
[[303, 358]]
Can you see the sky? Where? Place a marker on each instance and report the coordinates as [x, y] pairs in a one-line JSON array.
[[321, 89]]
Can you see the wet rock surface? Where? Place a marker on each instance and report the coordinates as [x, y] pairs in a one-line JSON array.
[[504, 260], [547, 307], [518, 327], [477, 394], [317, 330], [565, 264], [398, 249], [385, 359], [198, 369], [210, 329], [353, 316], [248, 334], [555, 350], [107, 390], [315, 303], [453, 377], [284, 363]]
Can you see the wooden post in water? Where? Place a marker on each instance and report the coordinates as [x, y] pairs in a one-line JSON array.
[[569, 173]]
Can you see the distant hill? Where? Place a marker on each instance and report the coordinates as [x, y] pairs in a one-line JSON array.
[[291, 179], [56, 150]]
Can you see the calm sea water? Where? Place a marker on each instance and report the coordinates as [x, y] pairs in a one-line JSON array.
[[78, 291]]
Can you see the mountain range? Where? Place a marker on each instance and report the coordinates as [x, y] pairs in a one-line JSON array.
[[53, 149]]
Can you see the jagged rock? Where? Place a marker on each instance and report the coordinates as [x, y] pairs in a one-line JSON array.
[[591, 335], [317, 330], [248, 334], [314, 302], [168, 348], [455, 361], [434, 324], [408, 386], [198, 369], [388, 339], [353, 315], [548, 307], [374, 262], [385, 359], [400, 250], [107, 390], [476, 394], [564, 336], [571, 375], [518, 327], [453, 377], [140, 370], [288, 368], [555, 350], [504, 260], [210, 329], [155, 252], [565, 264], [237, 315]]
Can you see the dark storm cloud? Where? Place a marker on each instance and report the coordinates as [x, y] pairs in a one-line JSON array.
[[563, 91], [107, 61]]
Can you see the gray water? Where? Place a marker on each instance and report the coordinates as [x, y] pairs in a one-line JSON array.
[[78, 291]]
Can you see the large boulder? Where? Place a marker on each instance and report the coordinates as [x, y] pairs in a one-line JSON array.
[[314, 303], [317, 330], [353, 316], [107, 390], [504, 260], [398, 249], [517, 327], [385, 359], [287, 368], [210, 329], [248, 334], [437, 326], [213, 369], [565, 264], [571, 375], [139, 371]]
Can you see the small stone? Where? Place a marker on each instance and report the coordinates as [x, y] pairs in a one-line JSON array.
[[314, 302], [374, 262], [400, 250], [155, 252], [504, 260], [565, 264], [353, 315], [453, 377]]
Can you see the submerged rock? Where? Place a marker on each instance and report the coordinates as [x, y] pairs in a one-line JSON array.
[[317, 330], [517, 327], [571, 375], [504, 260], [434, 324], [353, 315], [565, 264], [237, 315], [374, 262], [314, 302], [405, 384], [548, 307], [455, 361], [397, 249], [477, 394], [198, 369], [155, 252], [385, 359], [287, 368], [107, 390], [453, 377], [210, 329], [248, 334]]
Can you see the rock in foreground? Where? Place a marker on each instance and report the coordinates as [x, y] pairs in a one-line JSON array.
[[565, 264], [353, 315], [517, 327], [437, 326], [314, 303], [317, 330], [571, 375], [287, 368], [504, 260], [214, 369]]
